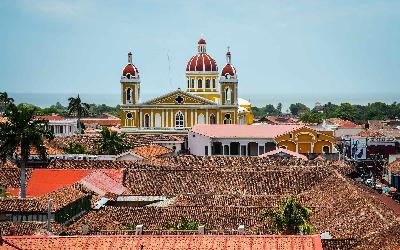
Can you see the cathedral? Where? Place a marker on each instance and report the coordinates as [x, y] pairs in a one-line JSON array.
[[210, 98]]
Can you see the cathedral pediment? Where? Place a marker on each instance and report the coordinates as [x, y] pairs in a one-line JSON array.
[[179, 97]]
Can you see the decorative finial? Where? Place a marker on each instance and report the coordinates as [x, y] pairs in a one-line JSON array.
[[228, 56], [130, 57]]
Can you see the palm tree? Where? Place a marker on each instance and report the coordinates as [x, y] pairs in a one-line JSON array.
[[22, 131], [112, 143], [78, 108], [4, 101], [75, 148], [289, 218]]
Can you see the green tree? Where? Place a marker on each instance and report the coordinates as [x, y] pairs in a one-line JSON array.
[[112, 143], [22, 131], [298, 108], [329, 110], [289, 218], [184, 224], [4, 101], [75, 148], [279, 107], [345, 111], [78, 108], [311, 117]]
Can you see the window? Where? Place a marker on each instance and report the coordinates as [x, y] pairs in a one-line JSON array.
[[212, 119], [146, 121], [129, 115], [207, 83], [227, 119], [179, 120], [325, 149], [290, 135], [128, 76], [200, 119], [157, 120], [192, 84], [206, 150], [228, 95], [188, 83], [260, 150], [199, 84], [243, 150], [213, 83], [226, 150], [129, 95]]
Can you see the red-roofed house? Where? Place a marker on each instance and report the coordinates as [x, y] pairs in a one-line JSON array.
[[341, 127], [176, 242], [253, 140]]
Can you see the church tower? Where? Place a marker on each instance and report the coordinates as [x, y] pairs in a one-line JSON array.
[[202, 74], [130, 83], [229, 83]]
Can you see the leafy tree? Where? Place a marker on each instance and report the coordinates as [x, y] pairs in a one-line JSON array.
[[4, 101], [329, 109], [311, 117], [184, 224], [298, 109], [345, 111], [279, 108], [112, 143], [75, 148], [22, 131], [289, 218], [78, 108]]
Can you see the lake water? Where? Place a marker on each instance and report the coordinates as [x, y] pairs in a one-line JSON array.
[[48, 99]]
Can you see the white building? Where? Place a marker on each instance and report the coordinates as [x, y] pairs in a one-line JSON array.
[[341, 127], [60, 125], [234, 140]]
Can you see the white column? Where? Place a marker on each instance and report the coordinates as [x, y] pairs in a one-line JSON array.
[[218, 117], [186, 123], [191, 118], [172, 119], [162, 118], [151, 118], [166, 119], [195, 117], [206, 116]]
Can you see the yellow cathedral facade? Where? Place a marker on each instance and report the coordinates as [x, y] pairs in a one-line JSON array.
[[210, 98]]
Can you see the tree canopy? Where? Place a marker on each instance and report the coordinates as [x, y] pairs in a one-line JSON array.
[[112, 143], [289, 218]]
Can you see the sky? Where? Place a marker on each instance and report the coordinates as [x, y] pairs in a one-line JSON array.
[[278, 47]]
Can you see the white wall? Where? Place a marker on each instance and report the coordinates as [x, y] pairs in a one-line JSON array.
[[197, 143]]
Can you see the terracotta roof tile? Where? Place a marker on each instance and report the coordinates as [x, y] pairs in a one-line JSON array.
[[285, 151], [152, 150], [343, 123], [176, 242]]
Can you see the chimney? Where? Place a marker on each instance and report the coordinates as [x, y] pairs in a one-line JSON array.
[[201, 230], [241, 230], [139, 230]]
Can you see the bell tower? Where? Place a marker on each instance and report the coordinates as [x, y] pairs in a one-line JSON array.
[[130, 83], [229, 83]]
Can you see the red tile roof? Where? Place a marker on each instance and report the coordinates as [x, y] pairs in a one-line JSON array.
[[44, 181], [50, 117], [243, 131], [151, 150], [101, 183], [343, 123], [176, 242], [285, 151], [101, 121]]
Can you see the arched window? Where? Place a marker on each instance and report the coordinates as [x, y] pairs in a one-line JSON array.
[[146, 121], [199, 84], [325, 149], [129, 119], [213, 83], [192, 84], [228, 93], [212, 119], [188, 83], [227, 119], [128, 75], [179, 120], [129, 95], [200, 119], [207, 83]]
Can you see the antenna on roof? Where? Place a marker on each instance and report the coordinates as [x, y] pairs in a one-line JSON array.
[[169, 70]]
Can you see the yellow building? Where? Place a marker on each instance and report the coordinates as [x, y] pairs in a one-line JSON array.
[[210, 98], [306, 141]]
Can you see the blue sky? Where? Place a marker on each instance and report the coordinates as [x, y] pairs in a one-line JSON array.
[[278, 47]]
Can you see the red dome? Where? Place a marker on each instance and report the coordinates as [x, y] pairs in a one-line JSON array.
[[130, 69], [228, 69], [202, 62], [202, 41]]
